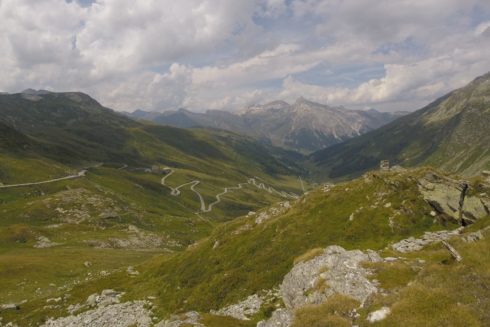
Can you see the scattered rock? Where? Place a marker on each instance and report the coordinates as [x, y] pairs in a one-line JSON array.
[[190, 318], [9, 324], [109, 215], [114, 315], [9, 306], [412, 244], [473, 237], [279, 318], [132, 272], [106, 297], [87, 264], [243, 310], [75, 206], [44, 242], [327, 187], [274, 211], [241, 229], [379, 315], [137, 239]]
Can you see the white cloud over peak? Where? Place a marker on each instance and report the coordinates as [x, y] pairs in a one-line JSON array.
[[200, 54]]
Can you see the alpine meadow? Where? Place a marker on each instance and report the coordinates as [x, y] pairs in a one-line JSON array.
[[248, 163]]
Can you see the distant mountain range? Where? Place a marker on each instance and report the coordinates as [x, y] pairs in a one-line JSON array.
[[303, 126], [452, 133], [74, 129]]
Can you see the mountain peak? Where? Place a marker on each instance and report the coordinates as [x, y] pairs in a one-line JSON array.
[[302, 100]]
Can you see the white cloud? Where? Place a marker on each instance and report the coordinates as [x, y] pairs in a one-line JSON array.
[[162, 54]]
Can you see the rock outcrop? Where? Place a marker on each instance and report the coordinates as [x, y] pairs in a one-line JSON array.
[[335, 271], [449, 197], [106, 312], [413, 244]]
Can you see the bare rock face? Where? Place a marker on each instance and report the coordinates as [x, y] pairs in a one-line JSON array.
[[335, 271], [449, 197]]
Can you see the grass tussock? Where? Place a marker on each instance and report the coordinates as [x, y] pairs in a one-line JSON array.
[[337, 311], [442, 292], [310, 254], [392, 274]]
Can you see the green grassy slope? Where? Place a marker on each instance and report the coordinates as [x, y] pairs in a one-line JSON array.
[[450, 133], [243, 257], [251, 257], [118, 209]]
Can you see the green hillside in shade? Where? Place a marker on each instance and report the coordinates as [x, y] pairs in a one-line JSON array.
[[451, 133]]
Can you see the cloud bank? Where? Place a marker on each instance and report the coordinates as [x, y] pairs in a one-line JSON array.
[[221, 54]]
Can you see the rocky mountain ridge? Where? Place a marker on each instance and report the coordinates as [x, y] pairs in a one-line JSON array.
[[303, 126]]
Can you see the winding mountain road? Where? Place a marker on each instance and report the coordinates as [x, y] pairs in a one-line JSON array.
[[175, 191], [78, 175]]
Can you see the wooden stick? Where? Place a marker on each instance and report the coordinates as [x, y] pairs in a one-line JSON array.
[[453, 251]]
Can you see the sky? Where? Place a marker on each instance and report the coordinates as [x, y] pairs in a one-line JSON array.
[[228, 54]]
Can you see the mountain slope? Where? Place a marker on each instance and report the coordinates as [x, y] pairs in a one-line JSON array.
[[303, 126], [451, 133], [74, 128], [81, 182], [374, 217], [12, 140]]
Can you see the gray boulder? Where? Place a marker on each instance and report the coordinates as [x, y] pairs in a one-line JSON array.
[[336, 271]]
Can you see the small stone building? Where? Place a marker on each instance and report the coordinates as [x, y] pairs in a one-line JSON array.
[[384, 165]]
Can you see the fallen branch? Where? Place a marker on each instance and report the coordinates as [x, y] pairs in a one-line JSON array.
[[453, 251]]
